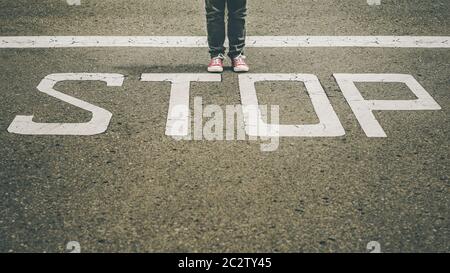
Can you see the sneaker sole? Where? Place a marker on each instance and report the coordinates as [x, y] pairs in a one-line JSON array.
[[215, 69], [240, 69]]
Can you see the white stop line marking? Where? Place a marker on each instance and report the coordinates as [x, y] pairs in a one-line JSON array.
[[201, 41], [374, 2]]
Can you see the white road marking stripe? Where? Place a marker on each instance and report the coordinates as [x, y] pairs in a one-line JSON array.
[[200, 41], [374, 2], [74, 2]]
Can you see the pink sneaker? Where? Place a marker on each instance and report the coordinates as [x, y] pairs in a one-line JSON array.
[[216, 64], [239, 64]]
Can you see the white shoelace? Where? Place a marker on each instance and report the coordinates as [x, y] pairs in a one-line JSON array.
[[240, 56], [219, 57]]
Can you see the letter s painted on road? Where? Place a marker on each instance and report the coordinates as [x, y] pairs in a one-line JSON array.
[[100, 117]]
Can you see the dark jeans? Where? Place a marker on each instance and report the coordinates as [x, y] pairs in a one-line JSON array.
[[215, 18]]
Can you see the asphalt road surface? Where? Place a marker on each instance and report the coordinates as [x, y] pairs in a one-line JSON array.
[[135, 189]]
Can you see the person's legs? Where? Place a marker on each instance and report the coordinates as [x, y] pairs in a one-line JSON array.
[[237, 12], [215, 13]]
